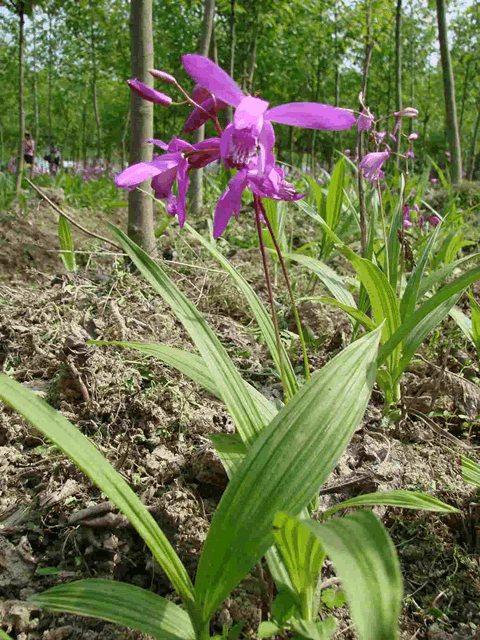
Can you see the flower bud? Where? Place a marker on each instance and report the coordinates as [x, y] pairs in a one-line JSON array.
[[163, 76], [408, 112], [147, 93]]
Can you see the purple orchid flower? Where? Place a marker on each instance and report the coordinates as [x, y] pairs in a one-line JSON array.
[[251, 132], [365, 120], [434, 220], [372, 165], [171, 166], [269, 185]]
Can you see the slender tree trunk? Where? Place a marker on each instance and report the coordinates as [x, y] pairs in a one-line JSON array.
[[50, 74], [196, 176], [213, 46], [251, 73], [464, 96], [474, 144], [140, 206], [361, 187], [84, 135], [232, 51], [398, 74], [21, 112], [123, 153], [449, 91], [94, 94], [35, 87]]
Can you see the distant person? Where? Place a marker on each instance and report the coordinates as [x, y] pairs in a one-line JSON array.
[[54, 159], [29, 151]]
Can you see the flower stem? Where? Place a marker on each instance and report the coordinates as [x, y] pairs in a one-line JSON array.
[[258, 209], [290, 291]]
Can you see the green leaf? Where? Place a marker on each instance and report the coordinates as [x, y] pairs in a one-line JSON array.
[[194, 367], [443, 272], [353, 312], [120, 603], [463, 322], [409, 325], [333, 205], [411, 292], [475, 316], [366, 562], [395, 498], [303, 557], [231, 450], [382, 298], [5, 636], [470, 471], [264, 321], [284, 468], [66, 244], [87, 458], [284, 606], [232, 389], [327, 277], [267, 629], [322, 630]]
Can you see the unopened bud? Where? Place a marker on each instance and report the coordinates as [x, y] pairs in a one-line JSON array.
[[147, 93], [409, 112], [163, 76]]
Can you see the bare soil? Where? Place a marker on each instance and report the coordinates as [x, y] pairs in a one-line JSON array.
[[152, 424]]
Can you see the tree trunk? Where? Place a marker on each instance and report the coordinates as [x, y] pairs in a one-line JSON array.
[[449, 91], [398, 75], [464, 96], [35, 87], [94, 94], [140, 205], [21, 113], [123, 153], [196, 176], [232, 51], [474, 144], [50, 80]]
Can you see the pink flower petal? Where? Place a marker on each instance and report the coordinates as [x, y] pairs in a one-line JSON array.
[[210, 76], [136, 174], [147, 93], [312, 116]]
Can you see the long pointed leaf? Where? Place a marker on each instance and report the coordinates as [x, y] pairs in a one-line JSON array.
[[122, 604], [365, 560], [228, 381], [263, 319], [327, 277], [395, 498], [458, 285], [284, 468], [470, 471], [87, 458]]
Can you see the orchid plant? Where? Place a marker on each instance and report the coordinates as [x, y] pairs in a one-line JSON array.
[[278, 458]]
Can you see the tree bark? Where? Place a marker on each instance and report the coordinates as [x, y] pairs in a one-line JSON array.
[[474, 144], [35, 87], [140, 205], [94, 94], [398, 75], [449, 91], [232, 51], [464, 96], [21, 112], [196, 176]]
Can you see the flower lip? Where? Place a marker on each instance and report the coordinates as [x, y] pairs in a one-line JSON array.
[[147, 93]]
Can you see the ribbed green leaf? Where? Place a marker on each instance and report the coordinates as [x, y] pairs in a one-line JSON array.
[[264, 321], [87, 458], [66, 244], [365, 560], [327, 277], [475, 316], [410, 295], [470, 471], [122, 604], [463, 322], [232, 389], [395, 498], [393, 245], [353, 312], [230, 449], [443, 272], [5, 636], [303, 557], [194, 367], [321, 630], [335, 195], [455, 287], [418, 333], [382, 298], [284, 468]]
